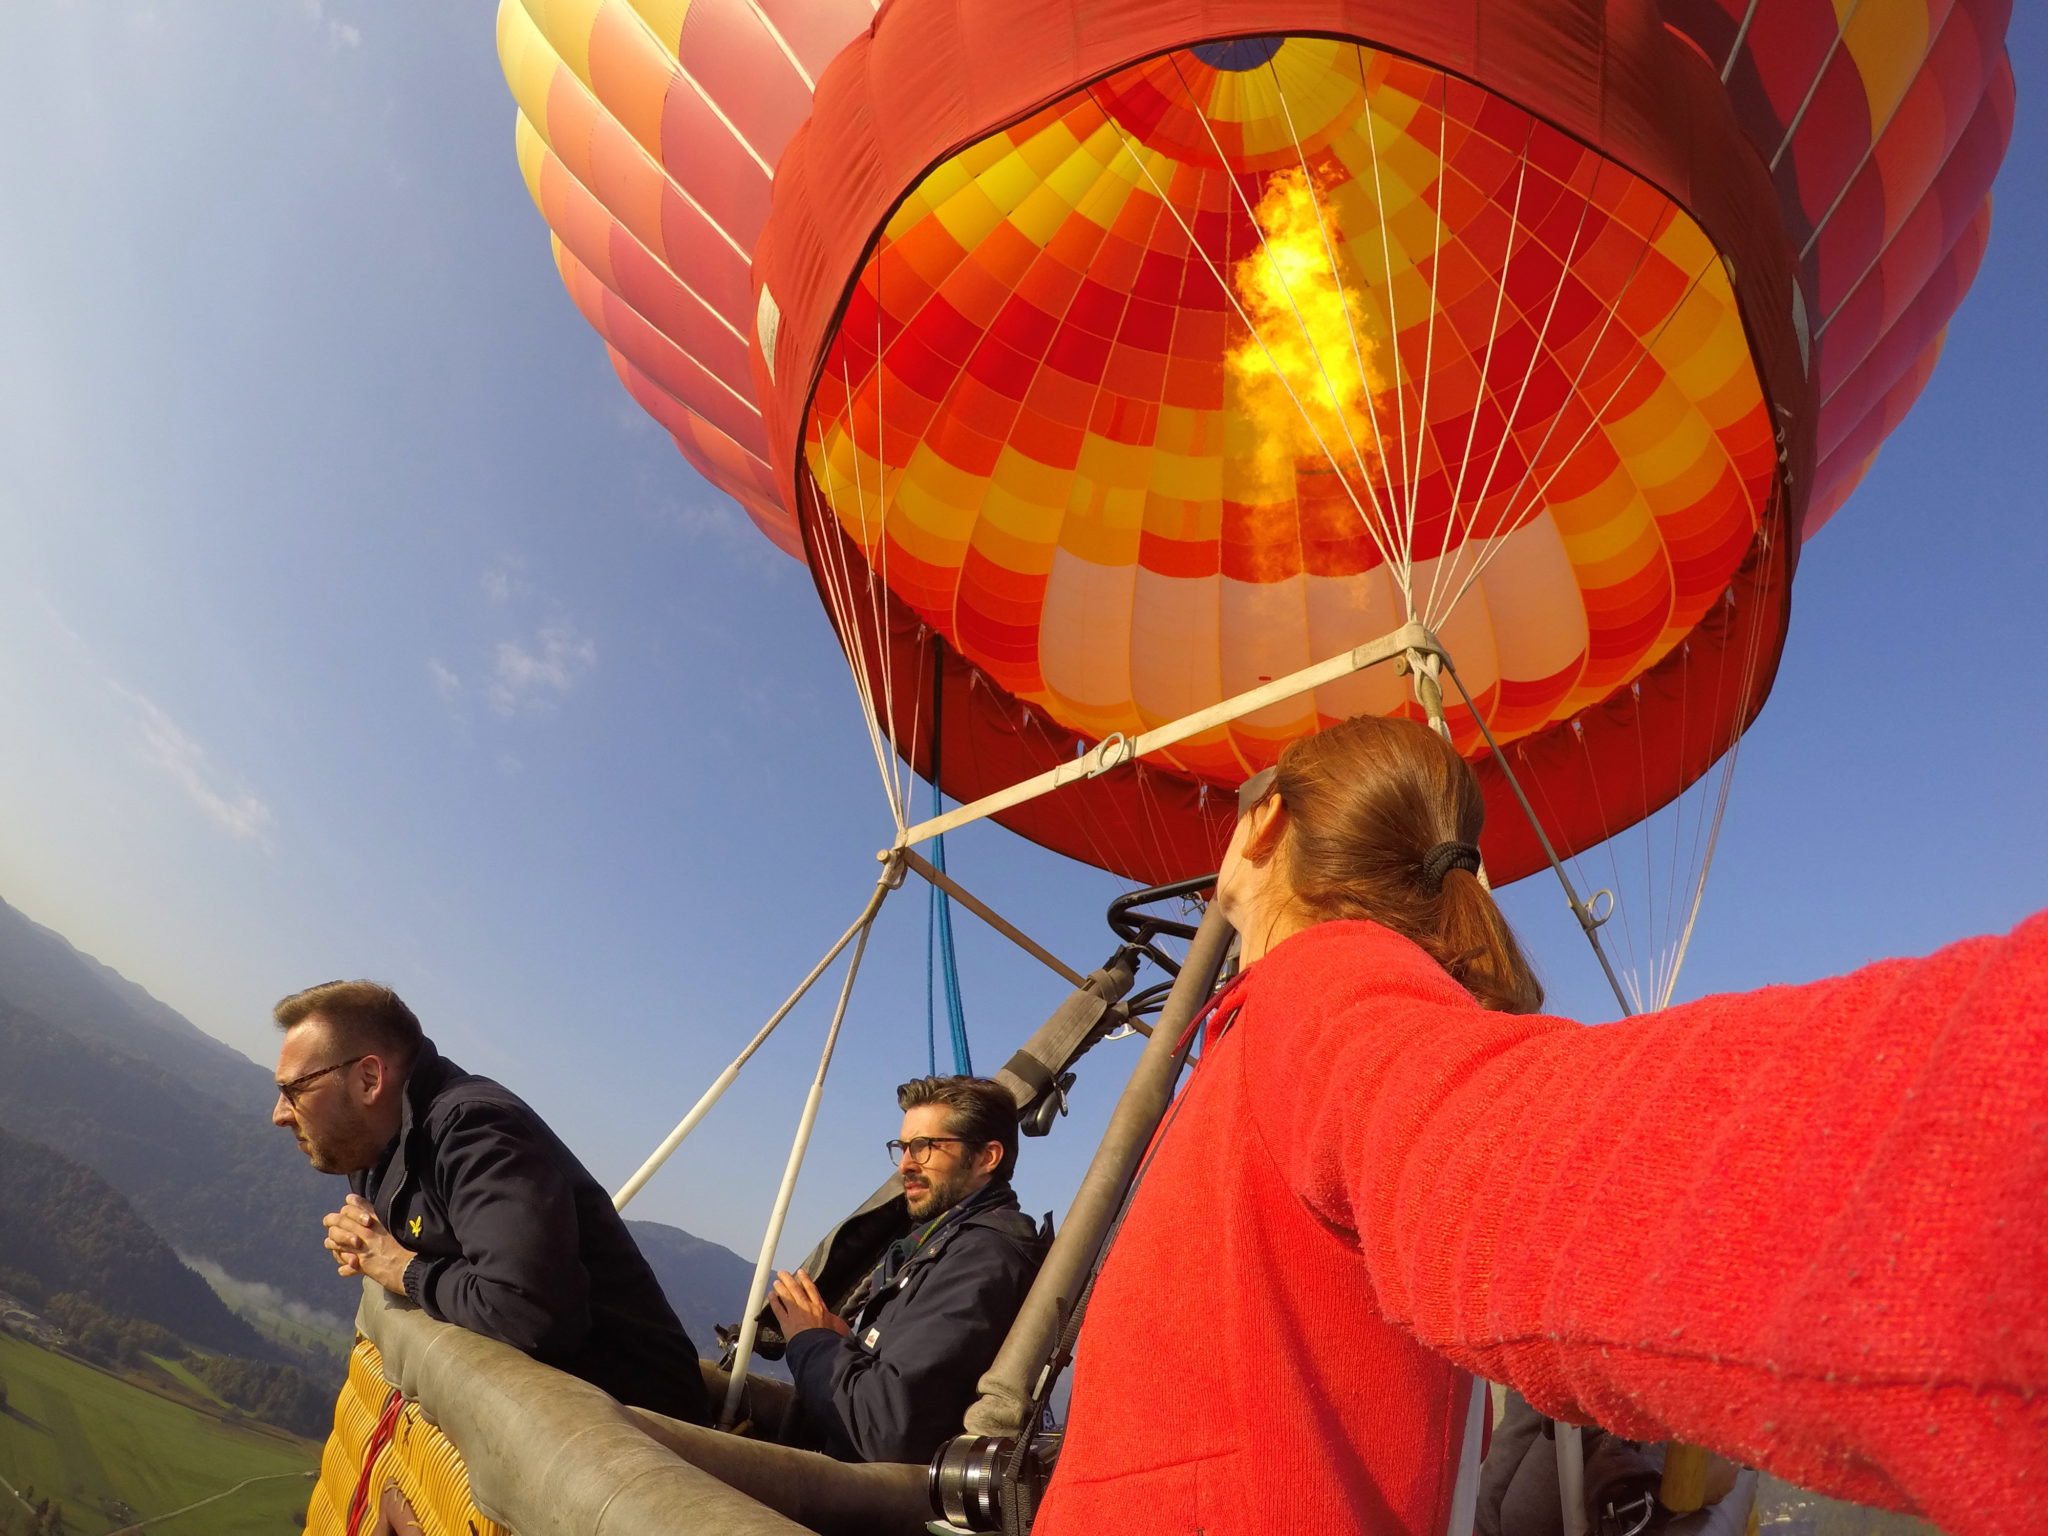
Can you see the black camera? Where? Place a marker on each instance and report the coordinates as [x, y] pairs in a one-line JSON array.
[[986, 1484]]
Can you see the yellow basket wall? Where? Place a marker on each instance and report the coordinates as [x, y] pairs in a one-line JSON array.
[[420, 1462]]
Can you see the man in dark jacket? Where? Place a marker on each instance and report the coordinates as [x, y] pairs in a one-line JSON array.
[[891, 1380], [462, 1199]]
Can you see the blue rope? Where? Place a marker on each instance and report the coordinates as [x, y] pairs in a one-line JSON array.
[[942, 966]]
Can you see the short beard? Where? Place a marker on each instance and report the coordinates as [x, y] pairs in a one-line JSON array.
[[324, 1161], [341, 1161], [939, 1197]]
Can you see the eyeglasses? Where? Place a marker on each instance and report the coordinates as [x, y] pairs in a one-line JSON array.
[[299, 1085], [920, 1147], [1255, 789]]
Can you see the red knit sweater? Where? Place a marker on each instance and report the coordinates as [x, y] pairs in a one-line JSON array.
[[1806, 1227]]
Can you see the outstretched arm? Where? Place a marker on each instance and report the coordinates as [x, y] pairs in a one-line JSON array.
[[1806, 1226]]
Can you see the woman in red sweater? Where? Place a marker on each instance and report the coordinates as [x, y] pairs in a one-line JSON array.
[[1805, 1227]]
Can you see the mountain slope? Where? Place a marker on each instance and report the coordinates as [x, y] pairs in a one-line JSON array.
[[705, 1283], [42, 973], [222, 1184], [96, 1069], [65, 1227]]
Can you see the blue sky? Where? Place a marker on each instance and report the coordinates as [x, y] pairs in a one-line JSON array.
[[354, 622]]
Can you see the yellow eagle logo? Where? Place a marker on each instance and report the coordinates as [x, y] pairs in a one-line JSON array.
[[413, 1226]]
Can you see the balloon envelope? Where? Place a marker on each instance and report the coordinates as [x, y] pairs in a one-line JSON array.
[[1107, 359]]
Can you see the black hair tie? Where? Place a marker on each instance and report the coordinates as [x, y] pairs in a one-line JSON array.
[[1444, 858]]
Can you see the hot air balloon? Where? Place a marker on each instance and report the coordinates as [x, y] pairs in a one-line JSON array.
[[1110, 361], [1104, 365]]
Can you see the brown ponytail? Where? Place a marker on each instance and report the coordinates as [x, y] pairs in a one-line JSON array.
[[1367, 800]]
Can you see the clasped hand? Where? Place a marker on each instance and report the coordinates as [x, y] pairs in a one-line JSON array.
[[797, 1306], [361, 1245]]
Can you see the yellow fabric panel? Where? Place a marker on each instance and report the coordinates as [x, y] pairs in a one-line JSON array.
[[528, 60], [566, 24], [532, 153], [1888, 40], [419, 1461], [969, 214], [664, 18]]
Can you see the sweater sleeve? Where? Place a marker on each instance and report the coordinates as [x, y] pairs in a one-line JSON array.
[[519, 1278], [1805, 1226]]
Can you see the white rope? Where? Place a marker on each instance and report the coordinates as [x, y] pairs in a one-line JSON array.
[[878, 571], [1372, 410], [1500, 297], [1278, 372], [841, 597], [1752, 659], [1820, 73], [716, 1091], [1596, 422], [764, 1266], [1449, 563], [1379, 198], [1443, 127]]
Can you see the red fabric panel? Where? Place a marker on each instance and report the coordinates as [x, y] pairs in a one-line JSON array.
[[1615, 763], [740, 66], [1907, 159], [717, 271], [817, 29], [1783, 51], [655, 355], [1851, 406], [654, 294], [1832, 140], [704, 158], [1853, 457], [639, 279], [1923, 241]]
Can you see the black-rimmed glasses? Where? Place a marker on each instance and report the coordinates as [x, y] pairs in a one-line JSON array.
[[299, 1085], [920, 1147]]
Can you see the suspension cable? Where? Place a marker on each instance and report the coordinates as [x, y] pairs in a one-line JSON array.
[[716, 1091], [1588, 923], [757, 1291]]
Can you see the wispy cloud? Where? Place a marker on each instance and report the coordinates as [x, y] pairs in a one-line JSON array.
[[527, 677], [521, 675], [164, 745], [707, 517], [505, 581], [339, 33], [446, 680]]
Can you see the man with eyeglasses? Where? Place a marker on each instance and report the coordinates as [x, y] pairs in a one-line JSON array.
[[891, 1380], [462, 1199]]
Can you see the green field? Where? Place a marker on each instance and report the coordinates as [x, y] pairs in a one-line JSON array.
[[82, 1436], [181, 1373]]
